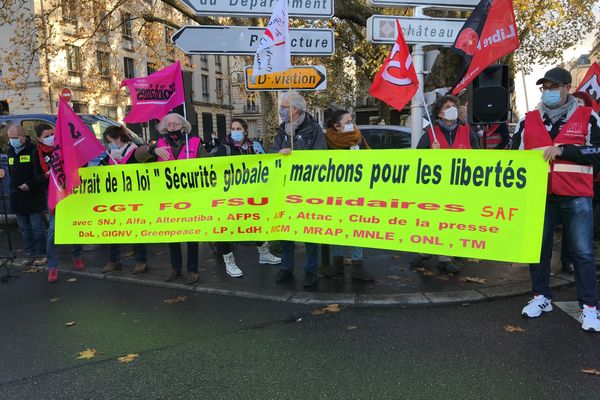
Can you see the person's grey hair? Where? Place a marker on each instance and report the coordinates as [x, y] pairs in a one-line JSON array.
[[295, 99], [186, 127], [17, 128]]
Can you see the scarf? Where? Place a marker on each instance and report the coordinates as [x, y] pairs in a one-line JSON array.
[[344, 140], [45, 154], [121, 152], [297, 123], [556, 113]]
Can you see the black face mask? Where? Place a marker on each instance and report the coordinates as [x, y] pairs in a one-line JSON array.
[[175, 135]]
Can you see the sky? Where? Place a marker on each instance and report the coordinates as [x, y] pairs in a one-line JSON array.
[[533, 93]]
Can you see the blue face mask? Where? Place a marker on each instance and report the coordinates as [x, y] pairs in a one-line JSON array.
[[113, 146], [15, 143], [284, 114], [551, 98], [237, 136]]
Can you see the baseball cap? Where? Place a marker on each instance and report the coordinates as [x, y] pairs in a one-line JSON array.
[[557, 75]]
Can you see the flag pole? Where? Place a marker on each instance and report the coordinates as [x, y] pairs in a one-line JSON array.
[[290, 100], [187, 141], [428, 116]]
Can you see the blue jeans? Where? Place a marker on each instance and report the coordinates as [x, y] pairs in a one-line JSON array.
[[52, 252], [577, 219], [139, 250], [33, 232], [287, 261], [338, 251], [177, 257]]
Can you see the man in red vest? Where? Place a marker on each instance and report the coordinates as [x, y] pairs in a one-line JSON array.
[[561, 121]]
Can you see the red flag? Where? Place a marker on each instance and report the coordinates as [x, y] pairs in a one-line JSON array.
[[591, 85], [74, 146], [396, 82], [489, 34]]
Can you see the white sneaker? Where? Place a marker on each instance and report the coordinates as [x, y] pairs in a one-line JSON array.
[[536, 306], [230, 267], [265, 256], [589, 319]]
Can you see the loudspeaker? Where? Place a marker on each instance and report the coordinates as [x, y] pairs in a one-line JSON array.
[[488, 96]]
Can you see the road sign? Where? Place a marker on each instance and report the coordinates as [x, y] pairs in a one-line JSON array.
[[299, 77], [243, 40], [424, 3], [66, 94], [381, 29], [311, 9]]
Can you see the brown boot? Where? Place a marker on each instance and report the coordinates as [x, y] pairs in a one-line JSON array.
[[359, 273], [337, 268], [111, 266], [192, 277], [138, 268], [172, 275]]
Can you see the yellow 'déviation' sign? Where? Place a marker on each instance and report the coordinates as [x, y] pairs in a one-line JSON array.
[[486, 204], [300, 77]]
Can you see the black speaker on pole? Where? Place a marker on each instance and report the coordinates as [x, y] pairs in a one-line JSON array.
[[488, 96]]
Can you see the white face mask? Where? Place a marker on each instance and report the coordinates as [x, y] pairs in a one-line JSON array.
[[48, 140], [451, 114], [348, 127]]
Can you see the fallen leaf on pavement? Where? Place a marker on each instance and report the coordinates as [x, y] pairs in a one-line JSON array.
[[128, 358], [351, 327], [591, 371], [424, 271], [87, 354], [178, 299], [331, 308], [512, 328], [475, 279], [317, 312], [72, 280], [519, 265], [394, 277], [443, 277], [129, 254], [31, 270], [474, 260], [70, 323], [54, 299]]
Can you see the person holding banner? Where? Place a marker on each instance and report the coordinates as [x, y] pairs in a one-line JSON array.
[[176, 144], [559, 127], [342, 134], [121, 150], [300, 131], [237, 144]]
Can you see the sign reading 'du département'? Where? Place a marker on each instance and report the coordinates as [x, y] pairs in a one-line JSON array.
[[261, 8], [381, 29], [242, 40], [424, 3], [299, 77], [467, 203]]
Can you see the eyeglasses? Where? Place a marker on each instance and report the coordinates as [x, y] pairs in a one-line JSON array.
[[553, 87]]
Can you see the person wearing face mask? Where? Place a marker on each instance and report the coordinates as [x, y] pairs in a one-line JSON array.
[[300, 131], [27, 196], [121, 150], [176, 144], [448, 132], [342, 134], [561, 126], [45, 148], [236, 144]]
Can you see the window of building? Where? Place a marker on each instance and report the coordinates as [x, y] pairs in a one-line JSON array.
[[79, 107], [221, 125], [126, 26], [219, 89], [207, 123], [73, 59], [69, 10], [205, 88], [150, 68], [103, 60], [129, 68], [218, 63], [584, 60], [108, 111], [204, 61]]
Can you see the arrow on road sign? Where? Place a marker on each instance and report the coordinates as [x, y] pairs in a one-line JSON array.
[[243, 40], [300, 77]]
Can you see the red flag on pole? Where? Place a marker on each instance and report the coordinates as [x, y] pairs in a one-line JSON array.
[[74, 146], [489, 34], [591, 85], [396, 82]]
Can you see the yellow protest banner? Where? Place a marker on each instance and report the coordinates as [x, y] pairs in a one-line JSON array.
[[469, 203]]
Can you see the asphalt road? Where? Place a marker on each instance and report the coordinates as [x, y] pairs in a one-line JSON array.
[[212, 347]]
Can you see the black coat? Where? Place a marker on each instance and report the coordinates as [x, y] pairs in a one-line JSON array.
[[308, 136], [25, 168]]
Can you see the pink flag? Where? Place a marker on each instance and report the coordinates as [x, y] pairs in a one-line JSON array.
[[153, 96], [74, 146]]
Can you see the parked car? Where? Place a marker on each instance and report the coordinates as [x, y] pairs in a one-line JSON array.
[[386, 136], [96, 123]]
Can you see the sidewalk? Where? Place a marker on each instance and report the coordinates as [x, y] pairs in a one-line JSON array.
[[396, 283]]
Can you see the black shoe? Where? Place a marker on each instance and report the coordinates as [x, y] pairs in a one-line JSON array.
[[359, 273], [335, 269], [310, 279], [568, 268], [418, 260], [284, 275], [448, 267]]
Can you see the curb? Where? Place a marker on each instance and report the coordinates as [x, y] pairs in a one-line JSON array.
[[415, 299]]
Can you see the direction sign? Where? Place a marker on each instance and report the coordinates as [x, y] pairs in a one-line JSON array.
[[311, 9], [243, 40], [417, 30], [299, 77], [424, 3]]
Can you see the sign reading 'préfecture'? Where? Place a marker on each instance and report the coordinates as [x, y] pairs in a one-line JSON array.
[[242, 40], [259, 8], [430, 31]]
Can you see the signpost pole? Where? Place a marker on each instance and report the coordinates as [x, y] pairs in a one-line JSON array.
[[416, 107]]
